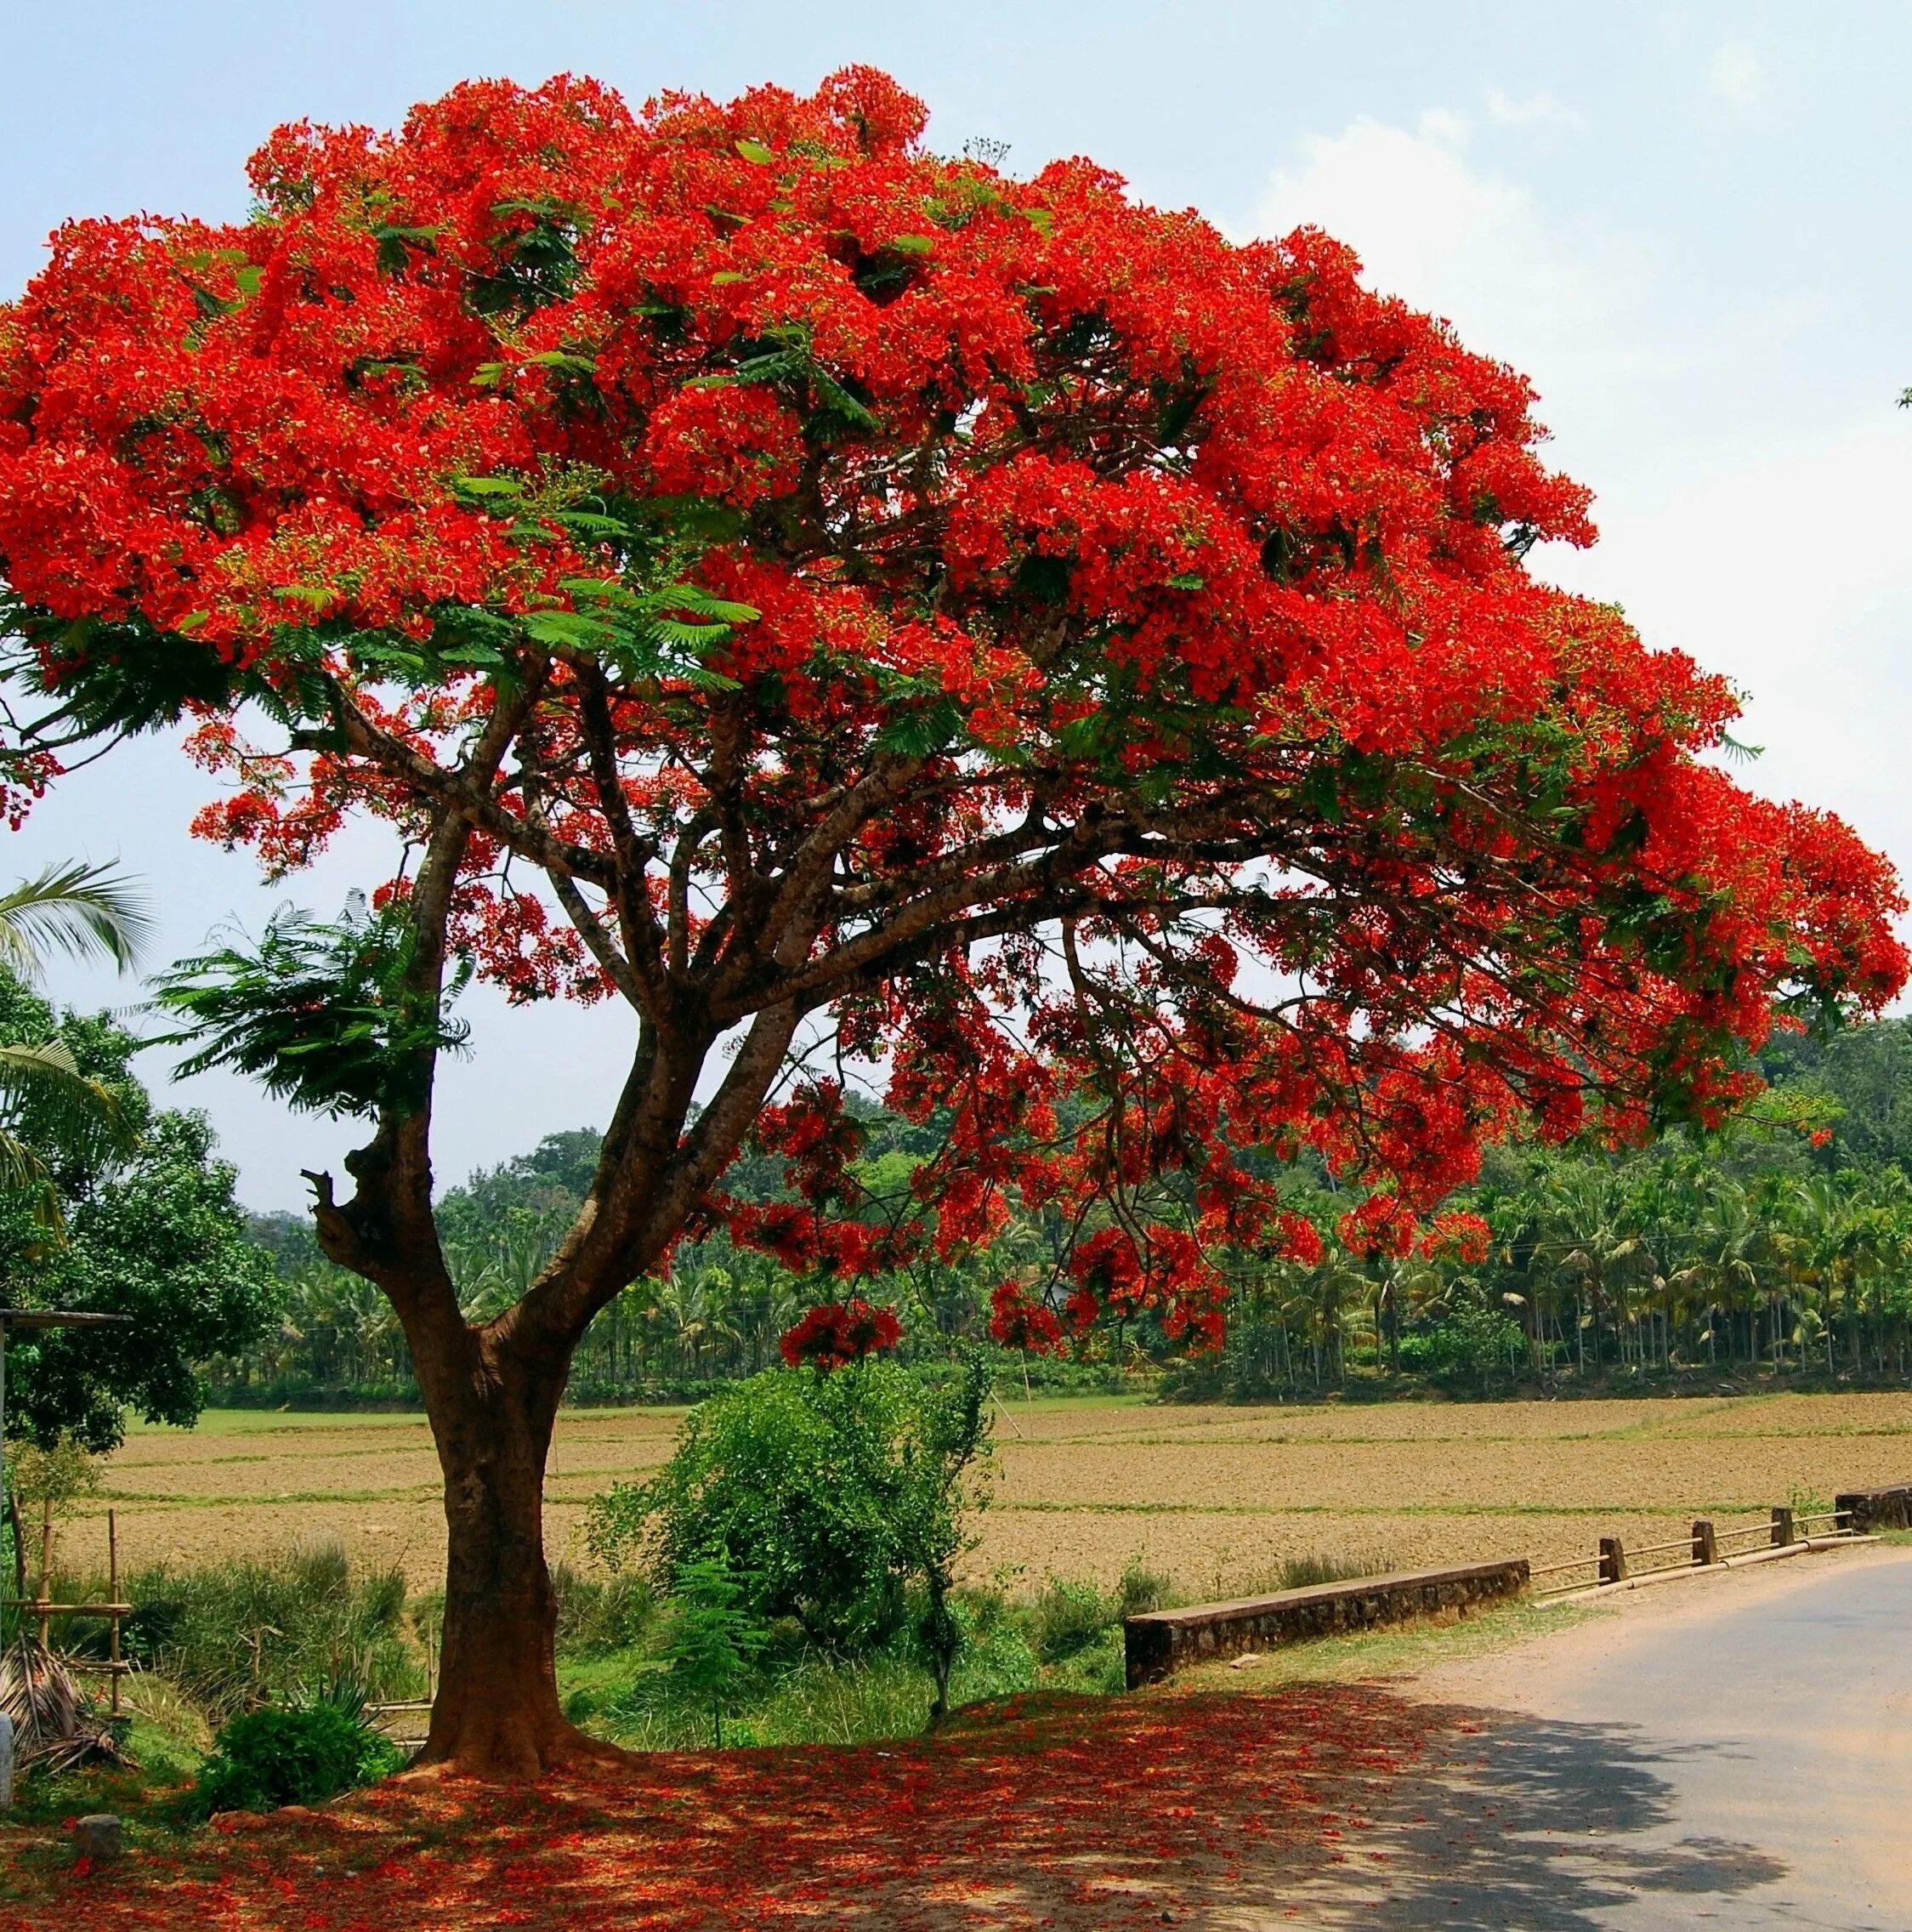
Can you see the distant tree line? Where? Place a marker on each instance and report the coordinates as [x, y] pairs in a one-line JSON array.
[[1783, 1244]]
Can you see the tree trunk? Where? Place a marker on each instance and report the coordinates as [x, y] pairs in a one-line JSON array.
[[497, 1714]]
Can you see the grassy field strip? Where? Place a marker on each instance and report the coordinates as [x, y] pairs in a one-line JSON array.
[[428, 1492], [1216, 1498], [169, 1499], [330, 1455], [1296, 1440]]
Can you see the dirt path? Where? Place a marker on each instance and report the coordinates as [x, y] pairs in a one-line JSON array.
[[1732, 1751]]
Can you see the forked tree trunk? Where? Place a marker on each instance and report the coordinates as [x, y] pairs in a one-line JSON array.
[[497, 1714]]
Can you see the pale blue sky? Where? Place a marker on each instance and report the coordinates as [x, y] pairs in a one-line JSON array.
[[1687, 224]]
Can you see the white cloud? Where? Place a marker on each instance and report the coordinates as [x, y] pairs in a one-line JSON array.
[[1736, 78], [1443, 125], [1542, 109], [1569, 304]]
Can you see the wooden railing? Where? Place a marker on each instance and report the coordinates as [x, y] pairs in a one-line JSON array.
[[1782, 1528]]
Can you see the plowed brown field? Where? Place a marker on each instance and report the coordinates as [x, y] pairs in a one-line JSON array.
[[1215, 1497]]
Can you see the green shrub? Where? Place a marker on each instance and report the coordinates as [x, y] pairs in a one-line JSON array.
[[1469, 1346], [996, 1659], [298, 1754], [826, 1496], [1142, 1589], [1069, 1615]]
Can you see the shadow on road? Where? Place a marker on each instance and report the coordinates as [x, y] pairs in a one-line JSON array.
[[1534, 1824]]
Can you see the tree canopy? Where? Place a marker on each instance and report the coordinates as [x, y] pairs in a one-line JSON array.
[[847, 603]]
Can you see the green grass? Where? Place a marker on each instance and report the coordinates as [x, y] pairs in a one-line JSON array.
[[299, 1422], [281, 1422]]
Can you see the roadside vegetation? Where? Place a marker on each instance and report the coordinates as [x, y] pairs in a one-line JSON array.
[[788, 1576]]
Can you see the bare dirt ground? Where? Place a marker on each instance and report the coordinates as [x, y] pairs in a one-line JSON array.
[[1217, 1497]]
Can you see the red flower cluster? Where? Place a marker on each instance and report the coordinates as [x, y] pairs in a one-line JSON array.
[[839, 1333], [1465, 1238], [1016, 1322]]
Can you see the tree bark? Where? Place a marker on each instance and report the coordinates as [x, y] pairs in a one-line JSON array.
[[497, 1714]]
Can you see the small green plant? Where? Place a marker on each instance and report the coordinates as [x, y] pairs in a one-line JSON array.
[[1069, 1615], [298, 1754], [952, 1431], [714, 1638], [1142, 1589]]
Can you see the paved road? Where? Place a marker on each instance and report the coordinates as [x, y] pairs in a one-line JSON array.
[[1748, 1766]]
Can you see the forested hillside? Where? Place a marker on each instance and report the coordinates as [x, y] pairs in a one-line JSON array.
[[1783, 1245]]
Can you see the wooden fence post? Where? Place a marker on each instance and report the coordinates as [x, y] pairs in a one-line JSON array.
[[1782, 1525], [1613, 1561], [1705, 1549]]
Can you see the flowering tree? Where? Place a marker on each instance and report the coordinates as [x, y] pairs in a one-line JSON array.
[[806, 589]]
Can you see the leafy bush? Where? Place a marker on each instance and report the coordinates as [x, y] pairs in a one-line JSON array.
[[996, 1659], [1142, 1589], [300, 1755], [825, 1495], [1469, 1345]]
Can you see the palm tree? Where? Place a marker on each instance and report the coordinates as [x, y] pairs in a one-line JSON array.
[[46, 1102], [1591, 1238]]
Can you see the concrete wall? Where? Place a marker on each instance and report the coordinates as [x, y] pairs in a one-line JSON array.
[[1165, 1641], [1865, 1509]]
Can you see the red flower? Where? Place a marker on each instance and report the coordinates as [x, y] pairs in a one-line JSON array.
[[838, 1333], [1458, 1237]]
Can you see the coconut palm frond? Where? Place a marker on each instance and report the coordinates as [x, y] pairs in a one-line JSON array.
[[71, 1110], [77, 910], [66, 1110], [23, 1172], [55, 1726]]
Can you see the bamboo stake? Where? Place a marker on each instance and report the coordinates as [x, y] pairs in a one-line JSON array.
[[113, 1591], [46, 1565]]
